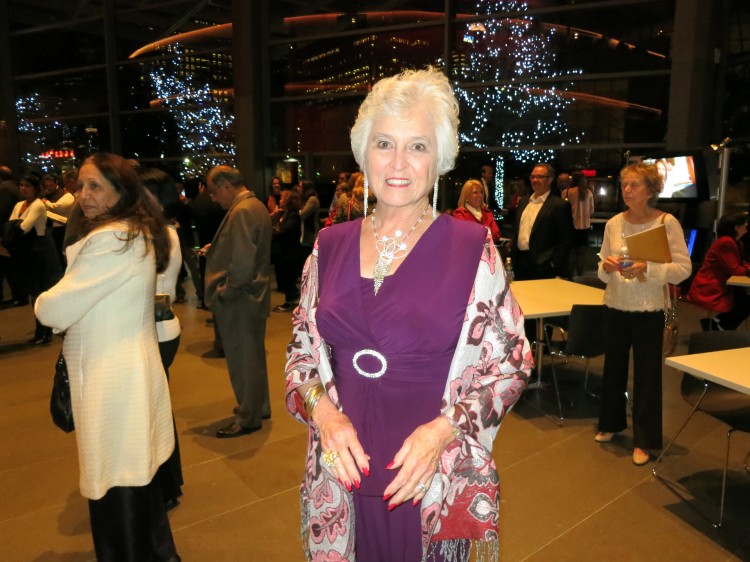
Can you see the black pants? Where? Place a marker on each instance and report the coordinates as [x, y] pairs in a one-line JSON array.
[[287, 271], [169, 475], [643, 331], [130, 524]]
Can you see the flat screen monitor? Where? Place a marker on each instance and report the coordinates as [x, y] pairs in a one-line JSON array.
[[684, 174]]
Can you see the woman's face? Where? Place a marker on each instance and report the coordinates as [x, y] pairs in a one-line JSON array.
[[275, 185], [635, 194], [96, 194], [740, 230], [401, 159], [475, 197], [27, 191]]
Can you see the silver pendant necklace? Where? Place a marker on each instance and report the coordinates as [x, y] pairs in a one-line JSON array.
[[389, 249]]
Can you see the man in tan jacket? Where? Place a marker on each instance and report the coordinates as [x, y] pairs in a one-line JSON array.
[[238, 292]]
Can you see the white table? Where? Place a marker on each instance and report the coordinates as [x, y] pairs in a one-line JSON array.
[[547, 298], [739, 281], [729, 368]]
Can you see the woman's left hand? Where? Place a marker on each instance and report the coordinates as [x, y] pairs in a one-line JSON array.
[[418, 459], [638, 269]]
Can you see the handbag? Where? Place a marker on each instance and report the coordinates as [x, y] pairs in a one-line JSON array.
[[15, 239], [59, 403], [163, 307], [671, 324]]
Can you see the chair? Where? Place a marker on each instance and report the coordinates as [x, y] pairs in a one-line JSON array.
[[727, 405], [582, 335]]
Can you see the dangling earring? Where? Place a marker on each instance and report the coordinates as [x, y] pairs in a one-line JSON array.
[[434, 199], [367, 193]]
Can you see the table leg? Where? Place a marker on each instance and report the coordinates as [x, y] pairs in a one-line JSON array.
[[538, 354]]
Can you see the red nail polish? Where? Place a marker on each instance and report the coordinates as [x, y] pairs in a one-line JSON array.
[[348, 486], [366, 471], [386, 497], [415, 502], [390, 465], [356, 483], [391, 507]]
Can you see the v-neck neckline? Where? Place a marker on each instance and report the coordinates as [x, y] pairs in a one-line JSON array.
[[405, 259]]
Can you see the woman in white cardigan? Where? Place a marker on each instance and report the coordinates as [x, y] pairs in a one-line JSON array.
[[121, 406]]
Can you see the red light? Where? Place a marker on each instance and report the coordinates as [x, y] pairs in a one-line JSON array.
[[589, 173]]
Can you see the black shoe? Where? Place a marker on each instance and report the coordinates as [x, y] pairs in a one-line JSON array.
[[235, 430], [39, 340], [286, 307]]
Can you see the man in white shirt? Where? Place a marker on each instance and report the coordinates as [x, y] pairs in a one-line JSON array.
[[543, 230]]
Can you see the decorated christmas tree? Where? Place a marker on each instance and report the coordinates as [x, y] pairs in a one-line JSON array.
[[500, 104], [204, 125]]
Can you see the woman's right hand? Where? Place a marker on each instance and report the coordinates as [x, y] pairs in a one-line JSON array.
[[611, 264], [338, 433]]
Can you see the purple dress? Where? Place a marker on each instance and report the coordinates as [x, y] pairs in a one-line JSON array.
[[413, 324]]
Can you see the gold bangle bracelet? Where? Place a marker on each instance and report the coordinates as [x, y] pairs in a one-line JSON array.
[[312, 396], [314, 402], [307, 394]]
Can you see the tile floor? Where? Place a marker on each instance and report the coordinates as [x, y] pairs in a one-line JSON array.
[[564, 497]]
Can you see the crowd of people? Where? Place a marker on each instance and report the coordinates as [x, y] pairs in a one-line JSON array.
[[408, 348]]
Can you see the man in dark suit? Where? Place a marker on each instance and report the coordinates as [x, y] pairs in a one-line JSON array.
[[238, 292], [207, 216], [543, 230]]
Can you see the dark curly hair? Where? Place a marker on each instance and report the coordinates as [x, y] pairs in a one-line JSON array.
[[728, 223], [137, 207]]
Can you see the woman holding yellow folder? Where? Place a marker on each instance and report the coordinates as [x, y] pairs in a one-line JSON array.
[[634, 311]]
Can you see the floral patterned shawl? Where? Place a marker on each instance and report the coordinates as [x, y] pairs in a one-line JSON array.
[[488, 373]]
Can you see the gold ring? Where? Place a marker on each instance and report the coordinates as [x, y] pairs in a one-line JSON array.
[[329, 457]]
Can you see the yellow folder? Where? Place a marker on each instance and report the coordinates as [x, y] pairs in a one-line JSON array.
[[650, 245]]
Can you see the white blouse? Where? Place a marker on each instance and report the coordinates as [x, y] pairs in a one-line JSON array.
[[634, 295], [166, 282], [35, 216]]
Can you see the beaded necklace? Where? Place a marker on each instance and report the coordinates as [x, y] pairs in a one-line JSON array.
[[389, 248]]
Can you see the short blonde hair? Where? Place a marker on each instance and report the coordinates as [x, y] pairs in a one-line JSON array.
[[466, 190], [650, 175], [397, 96]]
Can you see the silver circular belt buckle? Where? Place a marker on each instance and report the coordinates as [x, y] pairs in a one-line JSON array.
[[376, 355]]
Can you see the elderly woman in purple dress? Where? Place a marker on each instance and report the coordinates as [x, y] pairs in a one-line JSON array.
[[408, 350]]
